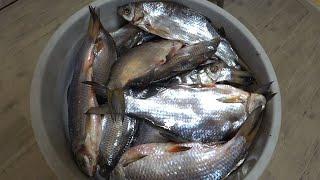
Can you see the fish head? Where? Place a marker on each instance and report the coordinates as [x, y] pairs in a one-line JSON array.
[[86, 162], [127, 12], [217, 66], [256, 100]]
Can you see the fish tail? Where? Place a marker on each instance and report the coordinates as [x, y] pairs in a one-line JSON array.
[[243, 78], [265, 90], [251, 126], [116, 104], [94, 24]]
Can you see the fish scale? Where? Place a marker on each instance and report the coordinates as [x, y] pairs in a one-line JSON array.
[[162, 161], [196, 114], [175, 21]]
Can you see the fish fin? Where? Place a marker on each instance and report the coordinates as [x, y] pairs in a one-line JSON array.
[[263, 89], [133, 159], [178, 148], [99, 89], [243, 78], [216, 143], [116, 104], [221, 32], [232, 99], [269, 96], [251, 126], [103, 109], [94, 24]]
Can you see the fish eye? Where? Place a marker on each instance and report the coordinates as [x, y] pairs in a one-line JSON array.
[[127, 11]]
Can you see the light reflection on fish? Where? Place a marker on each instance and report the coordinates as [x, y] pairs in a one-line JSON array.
[[177, 22], [196, 114], [189, 160]]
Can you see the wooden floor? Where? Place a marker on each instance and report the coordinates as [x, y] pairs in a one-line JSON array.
[[289, 30]]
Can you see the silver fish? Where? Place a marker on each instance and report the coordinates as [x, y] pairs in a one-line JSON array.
[[196, 114], [104, 50], [117, 137], [214, 72], [188, 160], [177, 22], [129, 36], [85, 130]]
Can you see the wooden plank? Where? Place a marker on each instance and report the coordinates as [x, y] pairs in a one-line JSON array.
[[298, 71], [285, 28], [23, 36], [30, 166], [276, 32], [5, 3]]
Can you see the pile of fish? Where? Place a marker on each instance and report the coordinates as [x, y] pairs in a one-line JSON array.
[[163, 97]]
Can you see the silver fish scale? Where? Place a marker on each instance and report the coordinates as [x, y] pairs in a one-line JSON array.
[[205, 76], [177, 22], [193, 114], [197, 163], [194, 31], [116, 138]]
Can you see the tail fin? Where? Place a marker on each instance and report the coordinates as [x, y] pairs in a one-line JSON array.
[[251, 126], [94, 24], [265, 90]]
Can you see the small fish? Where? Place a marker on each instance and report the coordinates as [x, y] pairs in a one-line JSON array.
[[130, 36], [177, 22], [214, 72], [104, 50], [85, 130], [117, 137], [196, 114], [189, 160]]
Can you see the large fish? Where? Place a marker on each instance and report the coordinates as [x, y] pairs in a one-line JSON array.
[[205, 114], [129, 36], [177, 22], [117, 136], [196, 114], [85, 130], [189, 160], [152, 62]]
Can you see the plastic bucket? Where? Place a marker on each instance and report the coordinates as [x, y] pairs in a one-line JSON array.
[[53, 72]]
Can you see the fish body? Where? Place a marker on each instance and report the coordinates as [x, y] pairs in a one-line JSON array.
[[139, 62], [188, 160], [117, 137], [85, 130], [104, 50], [196, 114], [155, 61], [128, 37], [177, 22], [214, 72]]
